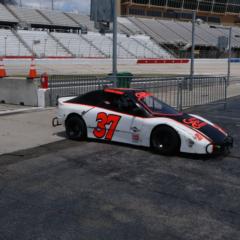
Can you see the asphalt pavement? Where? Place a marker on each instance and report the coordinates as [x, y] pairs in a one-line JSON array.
[[93, 190]]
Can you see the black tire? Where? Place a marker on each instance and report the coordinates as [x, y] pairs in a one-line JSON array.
[[165, 140], [76, 128]]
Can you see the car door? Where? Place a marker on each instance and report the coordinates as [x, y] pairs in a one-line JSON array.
[[113, 120]]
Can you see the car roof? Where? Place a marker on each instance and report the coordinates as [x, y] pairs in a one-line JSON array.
[[123, 90]]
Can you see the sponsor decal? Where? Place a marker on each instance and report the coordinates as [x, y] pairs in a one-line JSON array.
[[104, 120], [141, 95], [198, 137], [194, 122], [135, 137]]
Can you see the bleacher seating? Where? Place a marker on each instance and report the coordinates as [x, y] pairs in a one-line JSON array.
[[77, 45], [83, 20], [6, 16], [42, 44], [132, 28], [176, 32], [137, 38], [150, 48], [10, 45], [30, 16], [166, 34], [104, 43], [134, 45], [59, 18], [220, 32]]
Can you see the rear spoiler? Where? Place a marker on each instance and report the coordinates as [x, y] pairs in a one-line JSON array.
[[64, 99]]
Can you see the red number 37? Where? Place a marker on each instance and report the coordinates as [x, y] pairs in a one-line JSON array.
[[106, 125]]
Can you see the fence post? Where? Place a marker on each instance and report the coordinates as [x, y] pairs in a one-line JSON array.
[[179, 94], [225, 92], [100, 83]]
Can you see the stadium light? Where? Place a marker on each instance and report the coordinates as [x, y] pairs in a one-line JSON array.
[[229, 48]]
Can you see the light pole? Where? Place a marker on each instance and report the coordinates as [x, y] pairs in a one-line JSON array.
[[114, 57], [44, 49], [194, 21], [229, 49], [193, 48], [5, 38]]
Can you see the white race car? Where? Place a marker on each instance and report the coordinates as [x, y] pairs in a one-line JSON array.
[[137, 117]]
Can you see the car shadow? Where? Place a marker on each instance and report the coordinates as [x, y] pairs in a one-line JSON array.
[[61, 134], [202, 157], [189, 156]]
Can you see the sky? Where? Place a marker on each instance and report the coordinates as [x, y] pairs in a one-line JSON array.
[[82, 6]]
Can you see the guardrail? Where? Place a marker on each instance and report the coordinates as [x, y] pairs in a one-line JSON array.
[[179, 92]]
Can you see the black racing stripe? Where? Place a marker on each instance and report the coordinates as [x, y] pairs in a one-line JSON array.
[[210, 131]]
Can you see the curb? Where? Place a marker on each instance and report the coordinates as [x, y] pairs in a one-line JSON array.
[[23, 110]]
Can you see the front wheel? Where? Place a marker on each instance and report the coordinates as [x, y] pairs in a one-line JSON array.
[[76, 128], [165, 140]]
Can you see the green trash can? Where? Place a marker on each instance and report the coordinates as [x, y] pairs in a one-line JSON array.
[[124, 79]]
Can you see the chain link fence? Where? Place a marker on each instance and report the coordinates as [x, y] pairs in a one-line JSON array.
[[179, 92]]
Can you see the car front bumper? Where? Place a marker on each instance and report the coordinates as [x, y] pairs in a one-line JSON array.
[[224, 147]]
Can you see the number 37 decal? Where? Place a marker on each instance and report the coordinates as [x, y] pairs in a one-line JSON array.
[[106, 125]]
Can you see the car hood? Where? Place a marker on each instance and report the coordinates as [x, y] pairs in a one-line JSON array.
[[199, 124]]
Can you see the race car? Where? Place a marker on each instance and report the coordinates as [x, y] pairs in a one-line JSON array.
[[137, 117]]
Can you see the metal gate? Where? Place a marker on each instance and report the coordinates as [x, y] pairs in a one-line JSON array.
[[179, 92]]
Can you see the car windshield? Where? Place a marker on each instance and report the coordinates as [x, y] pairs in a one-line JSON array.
[[157, 106]]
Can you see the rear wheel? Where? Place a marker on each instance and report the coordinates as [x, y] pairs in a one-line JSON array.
[[76, 128], [165, 140]]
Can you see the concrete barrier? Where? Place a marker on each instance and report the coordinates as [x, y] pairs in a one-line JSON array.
[[19, 91], [43, 97]]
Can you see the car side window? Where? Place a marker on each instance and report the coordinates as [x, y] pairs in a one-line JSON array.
[[109, 101], [120, 103], [126, 104], [91, 98]]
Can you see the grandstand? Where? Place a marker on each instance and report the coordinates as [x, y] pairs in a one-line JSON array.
[[10, 45], [212, 11], [30, 16], [46, 33], [42, 44]]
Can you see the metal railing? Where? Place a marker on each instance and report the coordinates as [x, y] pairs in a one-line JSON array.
[[178, 92], [181, 93], [63, 86]]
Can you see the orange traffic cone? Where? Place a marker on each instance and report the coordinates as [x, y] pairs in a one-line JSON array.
[[2, 69], [33, 72]]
